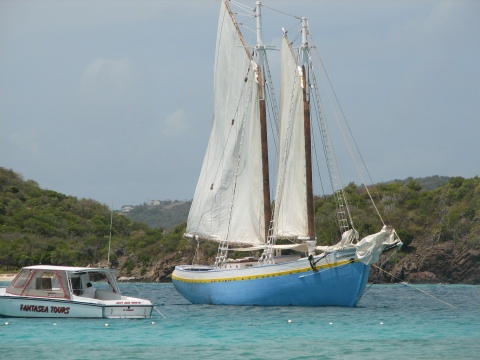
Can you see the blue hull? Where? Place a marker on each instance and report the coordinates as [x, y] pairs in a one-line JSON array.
[[342, 284]]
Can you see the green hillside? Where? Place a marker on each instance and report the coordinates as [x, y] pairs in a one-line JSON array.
[[39, 226], [165, 215], [448, 213], [439, 226]]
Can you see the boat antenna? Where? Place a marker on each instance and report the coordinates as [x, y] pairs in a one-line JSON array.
[[110, 237]]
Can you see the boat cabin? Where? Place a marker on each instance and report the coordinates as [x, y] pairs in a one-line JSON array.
[[62, 282]]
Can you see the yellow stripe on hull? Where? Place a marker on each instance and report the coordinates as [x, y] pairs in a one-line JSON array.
[[257, 276]]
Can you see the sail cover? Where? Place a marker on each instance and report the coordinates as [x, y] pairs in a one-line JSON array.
[[228, 200], [291, 202]]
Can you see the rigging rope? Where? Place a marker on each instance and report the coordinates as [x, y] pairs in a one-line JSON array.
[[414, 287]]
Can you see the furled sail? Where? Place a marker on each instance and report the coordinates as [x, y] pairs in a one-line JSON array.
[[371, 247], [290, 204], [228, 200]]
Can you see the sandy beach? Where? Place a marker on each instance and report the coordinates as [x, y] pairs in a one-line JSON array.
[[6, 277]]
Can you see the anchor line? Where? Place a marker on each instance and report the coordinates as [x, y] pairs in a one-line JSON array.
[[316, 271], [313, 263], [159, 312], [414, 287], [388, 259]]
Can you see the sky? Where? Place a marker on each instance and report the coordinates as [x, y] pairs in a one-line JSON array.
[[112, 100]]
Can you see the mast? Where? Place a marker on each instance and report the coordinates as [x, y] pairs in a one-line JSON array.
[[263, 119], [306, 120]]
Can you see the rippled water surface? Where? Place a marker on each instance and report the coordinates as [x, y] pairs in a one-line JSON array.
[[391, 322]]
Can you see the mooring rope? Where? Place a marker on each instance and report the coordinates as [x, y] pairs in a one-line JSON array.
[[412, 286], [159, 312]]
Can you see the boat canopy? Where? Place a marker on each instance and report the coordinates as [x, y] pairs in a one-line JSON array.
[[40, 282], [58, 281]]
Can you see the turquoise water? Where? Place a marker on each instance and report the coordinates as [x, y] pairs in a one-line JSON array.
[[391, 322]]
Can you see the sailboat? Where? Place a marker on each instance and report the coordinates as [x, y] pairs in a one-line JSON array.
[[232, 204]]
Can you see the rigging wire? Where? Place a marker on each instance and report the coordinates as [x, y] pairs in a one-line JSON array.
[[336, 98], [351, 135], [317, 162], [243, 7], [343, 116], [246, 12], [281, 12], [296, 37], [341, 109], [272, 115]]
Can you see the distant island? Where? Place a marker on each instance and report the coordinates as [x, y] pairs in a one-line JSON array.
[[437, 218], [158, 214]]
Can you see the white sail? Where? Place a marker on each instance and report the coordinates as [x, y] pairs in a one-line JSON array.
[[291, 203], [228, 200], [228, 204]]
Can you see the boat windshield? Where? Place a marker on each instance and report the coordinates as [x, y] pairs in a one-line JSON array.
[[20, 279], [101, 280]]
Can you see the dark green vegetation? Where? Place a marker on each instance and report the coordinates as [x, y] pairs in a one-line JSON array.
[[165, 215], [450, 212], [39, 226]]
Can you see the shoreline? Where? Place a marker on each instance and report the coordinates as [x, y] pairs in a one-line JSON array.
[[7, 277]]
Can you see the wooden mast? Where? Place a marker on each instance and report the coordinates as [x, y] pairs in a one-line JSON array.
[[263, 121], [307, 132], [265, 169]]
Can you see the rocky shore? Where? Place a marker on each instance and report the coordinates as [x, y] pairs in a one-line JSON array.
[[441, 263], [417, 264]]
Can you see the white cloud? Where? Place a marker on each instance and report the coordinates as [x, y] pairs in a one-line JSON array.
[[175, 124], [107, 80]]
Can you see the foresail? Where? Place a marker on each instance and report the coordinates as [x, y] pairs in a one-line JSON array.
[[290, 214], [228, 200]]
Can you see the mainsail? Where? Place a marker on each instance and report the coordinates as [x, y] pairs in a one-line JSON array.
[[228, 200]]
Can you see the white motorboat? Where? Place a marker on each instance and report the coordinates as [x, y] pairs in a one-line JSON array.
[[46, 291]]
